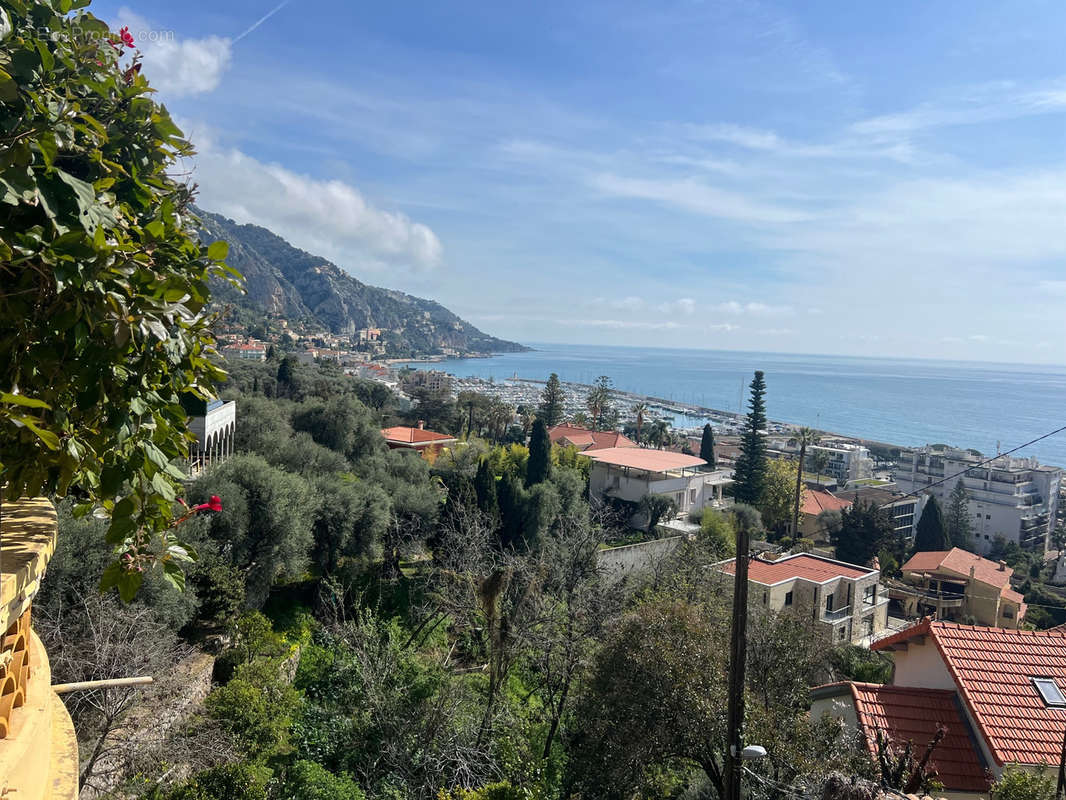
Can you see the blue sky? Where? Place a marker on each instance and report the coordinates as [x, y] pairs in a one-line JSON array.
[[855, 178]]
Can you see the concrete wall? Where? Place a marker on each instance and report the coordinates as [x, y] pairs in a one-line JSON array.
[[633, 558]]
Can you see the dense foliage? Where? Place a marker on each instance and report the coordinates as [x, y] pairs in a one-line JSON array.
[[750, 470], [102, 311]]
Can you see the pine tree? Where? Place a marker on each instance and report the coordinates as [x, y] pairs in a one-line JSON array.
[[749, 473], [552, 402], [539, 465], [707, 447], [858, 533], [957, 523], [930, 535], [485, 488]]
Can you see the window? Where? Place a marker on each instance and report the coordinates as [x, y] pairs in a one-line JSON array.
[[829, 602], [1008, 614], [869, 595], [765, 598], [988, 516], [843, 633], [788, 598], [1049, 690], [868, 626]]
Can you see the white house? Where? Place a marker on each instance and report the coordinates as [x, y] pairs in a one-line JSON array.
[[630, 473], [214, 424]]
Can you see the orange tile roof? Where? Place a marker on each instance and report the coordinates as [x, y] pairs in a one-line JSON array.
[[642, 459], [802, 565], [992, 668], [816, 501], [405, 435], [959, 561], [909, 714], [584, 439]]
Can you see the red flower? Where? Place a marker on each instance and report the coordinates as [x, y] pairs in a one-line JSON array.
[[127, 37], [214, 504]]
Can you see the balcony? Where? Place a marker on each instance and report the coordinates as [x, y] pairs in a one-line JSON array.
[[836, 615], [38, 748]]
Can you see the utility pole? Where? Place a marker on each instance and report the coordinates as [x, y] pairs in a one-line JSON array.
[[737, 652], [1062, 769]]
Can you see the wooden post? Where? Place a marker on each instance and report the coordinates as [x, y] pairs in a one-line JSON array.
[[738, 651]]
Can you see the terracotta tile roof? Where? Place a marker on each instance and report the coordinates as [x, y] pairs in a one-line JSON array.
[[642, 459], [816, 501], [802, 565], [584, 439], [993, 668], [906, 713], [401, 434], [960, 561]]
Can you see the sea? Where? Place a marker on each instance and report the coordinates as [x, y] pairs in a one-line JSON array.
[[899, 401]]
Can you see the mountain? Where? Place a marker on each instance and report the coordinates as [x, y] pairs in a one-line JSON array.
[[283, 280]]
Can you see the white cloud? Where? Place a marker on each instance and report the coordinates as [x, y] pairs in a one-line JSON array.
[[326, 217], [623, 324], [755, 308], [697, 197], [177, 66], [751, 138], [683, 305]]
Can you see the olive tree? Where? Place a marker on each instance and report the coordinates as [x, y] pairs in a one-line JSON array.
[[103, 285]]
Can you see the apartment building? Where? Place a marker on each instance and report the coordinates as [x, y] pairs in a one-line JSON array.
[[846, 601], [842, 461], [1015, 498], [904, 510]]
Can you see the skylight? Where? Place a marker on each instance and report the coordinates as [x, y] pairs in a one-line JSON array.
[[1050, 691]]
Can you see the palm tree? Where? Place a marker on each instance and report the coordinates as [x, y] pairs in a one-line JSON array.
[[804, 436], [659, 433], [639, 410]]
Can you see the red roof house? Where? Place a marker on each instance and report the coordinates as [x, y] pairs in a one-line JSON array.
[[584, 439], [958, 584], [425, 442], [908, 714], [815, 501], [1009, 686]]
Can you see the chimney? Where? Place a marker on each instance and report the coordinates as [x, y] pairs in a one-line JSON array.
[[1002, 566], [421, 424]]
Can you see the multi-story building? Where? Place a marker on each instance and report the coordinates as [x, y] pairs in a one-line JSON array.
[[904, 510], [958, 585], [432, 380], [1013, 498], [253, 351], [842, 461], [846, 601], [628, 474]]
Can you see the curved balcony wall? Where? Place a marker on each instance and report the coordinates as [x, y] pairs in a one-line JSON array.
[[38, 748]]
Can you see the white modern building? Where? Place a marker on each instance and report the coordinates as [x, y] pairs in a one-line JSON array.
[[213, 423], [630, 473], [844, 461], [1015, 498]]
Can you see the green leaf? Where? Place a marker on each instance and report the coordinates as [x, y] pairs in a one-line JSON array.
[[47, 144], [9, 90], [174, 574], [163, 486], [22, 400], [50, 440], [217, 251]]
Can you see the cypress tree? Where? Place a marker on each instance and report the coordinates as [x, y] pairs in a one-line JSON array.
[[551, 402], [750, 471], [930, 535], [539, 465], [485, 488], [510, 497], [707, 446], [958, 525]]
